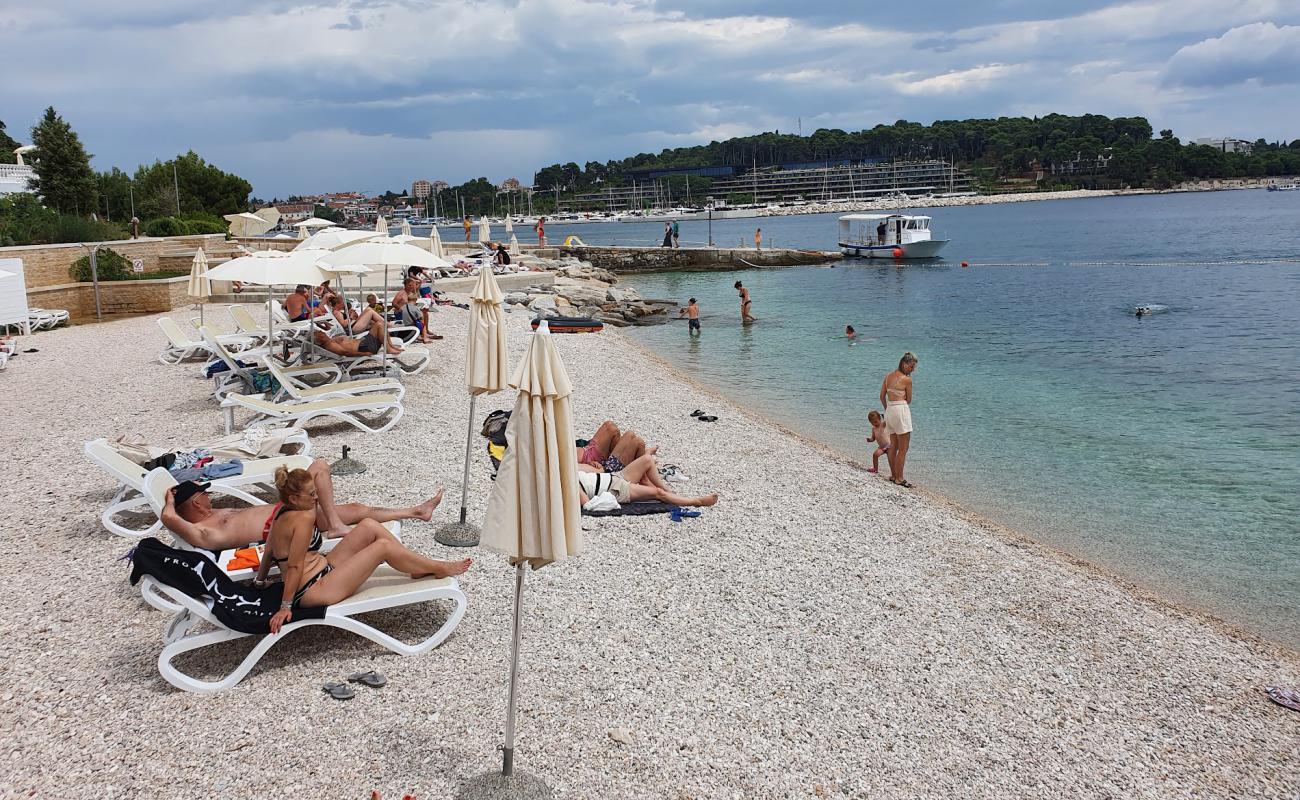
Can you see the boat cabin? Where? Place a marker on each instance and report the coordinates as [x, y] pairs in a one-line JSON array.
[[883, 229]]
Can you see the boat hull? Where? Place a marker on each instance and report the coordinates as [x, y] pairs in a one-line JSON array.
[[911, 250]]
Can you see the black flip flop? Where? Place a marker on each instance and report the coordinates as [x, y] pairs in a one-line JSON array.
[[369, 678], [706, 418], [904, 484], [697, 413], [339, 691], [31, 350]]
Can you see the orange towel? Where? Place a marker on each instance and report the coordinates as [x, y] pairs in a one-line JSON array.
[[245, 558]]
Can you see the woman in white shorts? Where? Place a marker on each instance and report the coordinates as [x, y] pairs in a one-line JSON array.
[[896, 398]]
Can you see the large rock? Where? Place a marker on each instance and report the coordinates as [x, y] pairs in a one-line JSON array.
[[621, 295], [613, 319], [581, 295], [542, 301], [590, 311], [516, 298]]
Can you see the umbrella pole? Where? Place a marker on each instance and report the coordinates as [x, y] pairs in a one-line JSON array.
[[508, 752], [462, 533]]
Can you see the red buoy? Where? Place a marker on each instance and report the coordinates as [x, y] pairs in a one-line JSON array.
[[964, 264], [898, 252]]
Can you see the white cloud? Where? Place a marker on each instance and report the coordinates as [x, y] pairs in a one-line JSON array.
[[1263, 52], [963, 80]]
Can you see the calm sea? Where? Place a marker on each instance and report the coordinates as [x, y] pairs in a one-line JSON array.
[[1165, 448]]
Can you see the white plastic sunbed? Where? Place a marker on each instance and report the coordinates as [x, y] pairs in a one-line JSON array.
[[240, 377], [131, 496], [384, 410], [291, 387], [387, 588], [180, 346], [38, 318]]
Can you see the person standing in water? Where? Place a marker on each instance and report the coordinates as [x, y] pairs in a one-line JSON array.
[[896, 398], [692, 313], [745, 316], [758, 238]]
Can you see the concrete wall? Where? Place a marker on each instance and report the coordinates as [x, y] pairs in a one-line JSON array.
[[46, 265], [115, 297], [666, 259]]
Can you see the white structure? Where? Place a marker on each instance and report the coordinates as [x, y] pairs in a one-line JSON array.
[[13, 294], [888, 236], [1226, 145], [15, 178], [421, 189]]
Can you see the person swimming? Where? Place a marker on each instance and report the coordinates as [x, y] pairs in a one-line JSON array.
[[849, 333]]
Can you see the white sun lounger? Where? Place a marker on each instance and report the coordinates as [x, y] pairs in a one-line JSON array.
[[180, 346], [38, 318], [236, 376], [292, 388], [385, 589], [131, 477], [352, 410]]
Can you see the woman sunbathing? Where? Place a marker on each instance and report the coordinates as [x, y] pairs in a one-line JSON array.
[[637, 481], [311, 579]]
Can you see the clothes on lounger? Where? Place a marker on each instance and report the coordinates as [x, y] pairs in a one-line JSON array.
[[594, 483], [239, 606], [898, 417]]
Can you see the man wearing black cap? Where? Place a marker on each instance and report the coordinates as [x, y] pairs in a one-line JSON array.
[[189, 514]]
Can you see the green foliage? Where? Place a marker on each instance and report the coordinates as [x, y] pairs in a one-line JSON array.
[[64, 179], [165, 226], [203, 188], [23, 220], [325, 212], [1118, 151], [114, 194], [7, 146], [110, 265]]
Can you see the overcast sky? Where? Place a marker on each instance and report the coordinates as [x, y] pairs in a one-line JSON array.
[[372, 94]]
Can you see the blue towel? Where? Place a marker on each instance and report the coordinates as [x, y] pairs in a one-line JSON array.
[[225, 469]]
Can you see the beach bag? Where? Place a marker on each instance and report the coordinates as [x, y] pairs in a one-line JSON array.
[[494, 427]]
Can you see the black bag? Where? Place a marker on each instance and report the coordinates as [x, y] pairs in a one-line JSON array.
[[494, 427]]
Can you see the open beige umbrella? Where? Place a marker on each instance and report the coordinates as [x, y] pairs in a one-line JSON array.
[[484, 230], [381, 226], [435, 243], [245, 225], [533, 515], [485, 373], [200, 287]]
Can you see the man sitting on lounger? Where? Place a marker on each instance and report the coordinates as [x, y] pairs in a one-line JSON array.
[[189, 514], [367, 345]]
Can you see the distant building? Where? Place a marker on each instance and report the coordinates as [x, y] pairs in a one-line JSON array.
[[421, 189], [1084, 165], [1227, 145], [295, 212]]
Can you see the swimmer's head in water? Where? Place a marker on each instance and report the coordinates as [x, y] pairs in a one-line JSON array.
[[848, 330], [692, 301], [874, 417]]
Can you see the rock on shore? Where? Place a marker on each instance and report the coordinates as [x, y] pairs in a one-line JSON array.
[[583, 290]]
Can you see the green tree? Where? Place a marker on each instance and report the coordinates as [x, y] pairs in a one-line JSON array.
[[7, 146], [64, 179], [203, 188]]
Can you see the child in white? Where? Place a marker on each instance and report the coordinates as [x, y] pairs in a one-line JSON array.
[[879, 435]]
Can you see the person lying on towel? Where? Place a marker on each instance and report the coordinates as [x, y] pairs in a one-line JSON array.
[[189, 514], [314, 579], [367, 345], [609, 448], [638, 481]]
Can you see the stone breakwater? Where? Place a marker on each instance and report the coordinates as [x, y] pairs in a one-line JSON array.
[[583, 290]]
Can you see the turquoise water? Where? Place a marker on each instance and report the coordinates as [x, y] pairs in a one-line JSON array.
[[1165, 448]]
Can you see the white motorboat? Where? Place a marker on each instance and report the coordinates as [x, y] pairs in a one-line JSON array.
[[888, 236], [1273, 186]]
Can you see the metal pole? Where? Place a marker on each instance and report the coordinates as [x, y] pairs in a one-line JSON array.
[[94, 277], [469, 449], [508, 752], [130, 187], [710, 226]]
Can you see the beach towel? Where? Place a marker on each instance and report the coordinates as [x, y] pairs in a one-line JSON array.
[[240, 607], [633, 509]]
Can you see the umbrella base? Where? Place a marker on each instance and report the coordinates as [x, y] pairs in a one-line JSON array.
[[458, 534], [492, 785], [347, 466]]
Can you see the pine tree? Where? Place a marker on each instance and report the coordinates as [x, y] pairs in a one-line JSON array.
[[7, 146], [64, 179]]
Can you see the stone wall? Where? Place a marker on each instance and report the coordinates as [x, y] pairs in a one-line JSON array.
[[115, 297], [620, 260], [46, 265]]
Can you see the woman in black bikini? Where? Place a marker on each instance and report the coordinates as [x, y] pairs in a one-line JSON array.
[[311, 579]]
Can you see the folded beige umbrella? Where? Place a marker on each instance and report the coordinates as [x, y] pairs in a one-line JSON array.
[[200, 287], [514, 245], [381, 226], [533, 514], [485, 373], [435, 243], [484, 230]]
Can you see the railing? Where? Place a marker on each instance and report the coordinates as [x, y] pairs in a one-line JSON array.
[[17, 171]]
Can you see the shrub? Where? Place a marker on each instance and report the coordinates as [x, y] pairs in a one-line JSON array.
[[67, 228], [109, 263], [197, 226], [165, 226]]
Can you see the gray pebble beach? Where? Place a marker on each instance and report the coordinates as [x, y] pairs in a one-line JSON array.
[[819, 633]]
